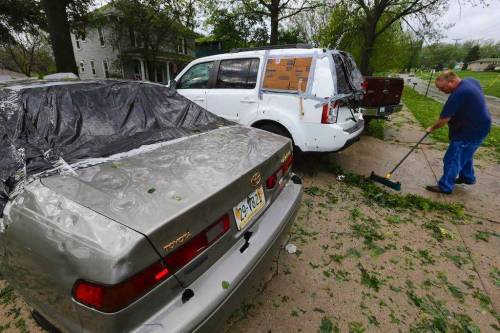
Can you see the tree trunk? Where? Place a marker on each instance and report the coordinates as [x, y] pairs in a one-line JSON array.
[[274, 13], [274, 29], [367, 48], [60, 38]]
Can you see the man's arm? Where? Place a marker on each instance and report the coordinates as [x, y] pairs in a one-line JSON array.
[[438, 124]]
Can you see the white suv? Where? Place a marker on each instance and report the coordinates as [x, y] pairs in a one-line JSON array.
[[310, 95]]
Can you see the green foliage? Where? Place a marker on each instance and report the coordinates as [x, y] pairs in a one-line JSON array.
[[393, 49], [441, 55], [410, 201], [495, 276], [375, 128], [473, 54], [290, 36], [7, 295], [235, 30], [156, 25], [356, 327], [369, 232], [370, 280], [327, 326], [225, 285], [437, 231], [19, 16], [456, 259], [438, 318]]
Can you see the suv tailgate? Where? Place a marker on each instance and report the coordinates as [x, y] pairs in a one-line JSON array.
[[382, 91]]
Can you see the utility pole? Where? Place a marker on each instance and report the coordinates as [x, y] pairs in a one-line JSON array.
[[456, 40], [429, 83]]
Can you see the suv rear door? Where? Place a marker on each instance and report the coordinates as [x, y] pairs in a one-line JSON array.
[[233, 92], [194, 83]]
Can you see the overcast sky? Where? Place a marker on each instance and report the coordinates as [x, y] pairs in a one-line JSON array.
[[473, 22]]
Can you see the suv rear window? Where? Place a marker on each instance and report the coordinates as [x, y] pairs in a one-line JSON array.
[[237, 74], [349, 77]]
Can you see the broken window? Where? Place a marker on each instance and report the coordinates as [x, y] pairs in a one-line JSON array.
[[287, 73]]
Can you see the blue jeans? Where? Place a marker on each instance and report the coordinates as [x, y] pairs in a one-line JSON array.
[[458, 162]]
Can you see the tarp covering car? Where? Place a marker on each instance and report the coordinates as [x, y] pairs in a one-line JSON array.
[[49, 122]]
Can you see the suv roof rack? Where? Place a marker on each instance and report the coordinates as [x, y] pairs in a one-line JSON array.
[[274, 47]]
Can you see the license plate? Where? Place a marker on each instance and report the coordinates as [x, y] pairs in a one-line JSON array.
[[249, 207]]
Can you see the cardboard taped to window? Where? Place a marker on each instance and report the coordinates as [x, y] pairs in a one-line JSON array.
[[287, 74]]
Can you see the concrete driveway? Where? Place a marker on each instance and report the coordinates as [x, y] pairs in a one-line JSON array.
[[365, 267], [421, 86]]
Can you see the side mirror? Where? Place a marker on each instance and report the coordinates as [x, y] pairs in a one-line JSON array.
[[172, 84]]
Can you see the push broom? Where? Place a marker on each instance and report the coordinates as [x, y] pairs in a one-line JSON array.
[[387, 179]]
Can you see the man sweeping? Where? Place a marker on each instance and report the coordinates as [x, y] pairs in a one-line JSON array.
[[469, 123]]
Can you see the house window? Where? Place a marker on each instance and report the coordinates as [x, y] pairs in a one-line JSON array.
[[92, 67], [101, 36], [105, 67], [82, 67]]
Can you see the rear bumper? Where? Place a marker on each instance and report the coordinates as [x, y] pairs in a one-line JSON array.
[[381, 111], [331, 137], [211, 304]]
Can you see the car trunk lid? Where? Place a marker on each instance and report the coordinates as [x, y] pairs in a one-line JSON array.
[[177, 191]]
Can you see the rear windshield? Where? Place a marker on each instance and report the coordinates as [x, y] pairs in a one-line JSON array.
[[354, 74], [349, 78]]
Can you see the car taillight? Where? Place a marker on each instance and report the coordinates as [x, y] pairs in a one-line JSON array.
[[280, 173], [111, 298], [107, 298], [364, 85], [197, 244], [329, 114], [271, 181]]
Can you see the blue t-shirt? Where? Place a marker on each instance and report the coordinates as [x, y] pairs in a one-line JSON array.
[[470, 119]]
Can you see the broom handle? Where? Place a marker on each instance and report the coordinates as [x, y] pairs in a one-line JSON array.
[[408, 154]]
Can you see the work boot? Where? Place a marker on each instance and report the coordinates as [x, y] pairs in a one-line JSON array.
[[463, 181], [436, 189]]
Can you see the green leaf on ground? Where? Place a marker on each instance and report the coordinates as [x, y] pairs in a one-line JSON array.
[[495, 276], [369, 280], [225, 285], [327, 326]]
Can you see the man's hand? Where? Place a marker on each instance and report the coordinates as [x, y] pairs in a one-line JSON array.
[[439, 123]]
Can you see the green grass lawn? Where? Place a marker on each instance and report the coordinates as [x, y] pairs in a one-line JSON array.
[[427, 110], [490, 81]]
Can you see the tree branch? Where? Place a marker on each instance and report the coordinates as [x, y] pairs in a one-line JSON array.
[[408, 11], [298, 10]]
